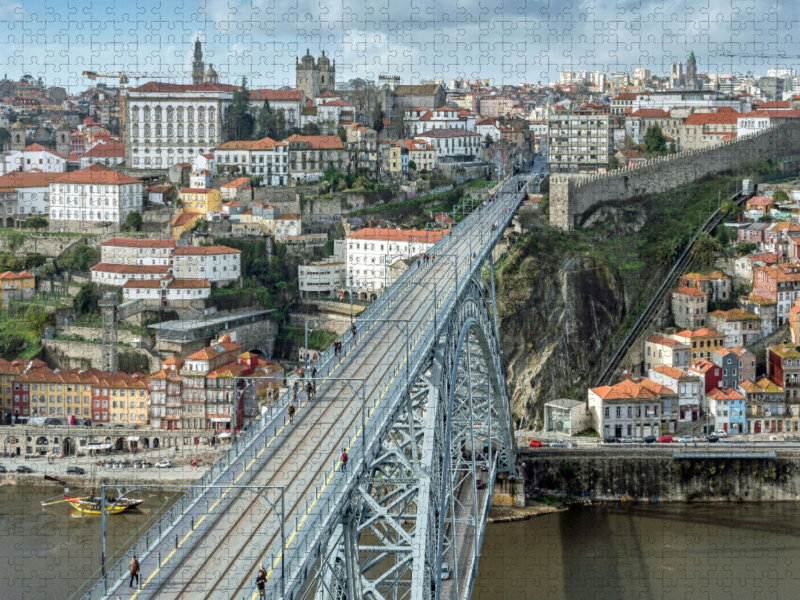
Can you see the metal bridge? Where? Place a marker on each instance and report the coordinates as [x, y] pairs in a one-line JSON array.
[[418, 398]]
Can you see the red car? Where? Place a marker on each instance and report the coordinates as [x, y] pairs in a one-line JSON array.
[[665, 439], [534, 443]]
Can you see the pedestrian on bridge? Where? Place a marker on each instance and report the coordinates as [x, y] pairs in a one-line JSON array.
[[344, 460], [353, 331], [261, 583], [313, 372], [134, 572], [308, 389], [291, 410]]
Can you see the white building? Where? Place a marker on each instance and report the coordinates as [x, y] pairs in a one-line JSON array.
[[419, 120], [687, 385], [326, 278], [291, 102], [287, 225], [265, 157], [579, 142], [23, 195], [700, 100], [109, 155], [452, 142], [119, 275], [166, 289], [215, 263], [130, 251], [171, 123], [34, 157], [758, 120], [371, 252], [96, 198]]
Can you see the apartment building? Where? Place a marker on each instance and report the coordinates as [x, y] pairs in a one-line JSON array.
[[579, 142]]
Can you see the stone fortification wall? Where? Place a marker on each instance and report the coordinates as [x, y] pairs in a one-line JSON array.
[[571, 196]]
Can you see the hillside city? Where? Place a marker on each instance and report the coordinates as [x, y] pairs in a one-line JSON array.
[[176, 256]]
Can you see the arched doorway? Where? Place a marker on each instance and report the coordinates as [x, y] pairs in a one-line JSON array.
[[118, 444], [68, 447], [155, 442], [145, 442], [373, 297]]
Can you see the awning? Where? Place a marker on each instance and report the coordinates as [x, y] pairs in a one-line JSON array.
[[225, 434], [97, 446], [133, 438], [220, 420]]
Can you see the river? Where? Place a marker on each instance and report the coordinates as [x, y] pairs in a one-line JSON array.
[[637, 551], [48, 553], [643, 551]]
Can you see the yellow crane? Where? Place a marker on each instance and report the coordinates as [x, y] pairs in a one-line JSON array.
[[123, 78]]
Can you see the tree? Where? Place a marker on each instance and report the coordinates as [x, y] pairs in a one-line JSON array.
[[5, 137], [666, 253], [780, 196], [86, 300], [412, 166], [746, 248], [133, 221], [729, 207], [613, 163], [33, 260], [654, 141], [35, 222], [310, 129], [239, 121], [233, 169], [220, 169], [628, 143], [705, 249], [488, 140], [27, 78], [38, 318], [11, 344]]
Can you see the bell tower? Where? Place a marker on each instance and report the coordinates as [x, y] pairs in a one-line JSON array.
[[198, 67]]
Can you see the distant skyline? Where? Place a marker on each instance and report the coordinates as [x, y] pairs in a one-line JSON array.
[[517, 42]]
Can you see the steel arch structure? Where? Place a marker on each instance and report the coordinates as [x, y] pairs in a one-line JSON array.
[[420, 503], [417, 397]]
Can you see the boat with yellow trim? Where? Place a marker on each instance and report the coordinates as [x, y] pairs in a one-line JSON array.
[[90, 505]]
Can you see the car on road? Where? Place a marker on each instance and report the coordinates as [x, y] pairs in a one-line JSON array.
[[3, 469], [445, 571], [665, 439], [721, 433], [610, 440], [559, 444], [142, 464], [686, 439], [164, 464], [650, 439], [24, 469], [534, 443], [76, 470], [712, 439], [629, 440]]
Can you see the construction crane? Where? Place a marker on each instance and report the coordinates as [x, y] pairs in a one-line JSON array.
[[125, 76]]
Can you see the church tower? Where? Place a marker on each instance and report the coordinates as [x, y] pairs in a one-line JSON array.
[[62, 139], [691, 72], [198, 67], [307, 75], [327, 74]]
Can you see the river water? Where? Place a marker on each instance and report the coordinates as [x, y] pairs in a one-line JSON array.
[[48, 553], [644, 551], [610, 551]]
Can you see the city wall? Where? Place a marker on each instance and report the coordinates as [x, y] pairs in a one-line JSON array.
[[572, 196]]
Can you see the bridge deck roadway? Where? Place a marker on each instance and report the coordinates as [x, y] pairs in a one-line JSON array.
[[215, 550]]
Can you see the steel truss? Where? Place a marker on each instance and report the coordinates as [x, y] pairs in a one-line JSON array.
[[418, 504]]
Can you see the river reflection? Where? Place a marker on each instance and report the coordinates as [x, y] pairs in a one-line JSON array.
[[664, 551]]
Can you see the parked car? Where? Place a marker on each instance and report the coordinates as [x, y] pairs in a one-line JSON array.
[[650, 439], [534, 443], [445, 571], [629, 440], [75, 470], [665, 439], [3, 469], [686, 439], [610, 440], [164, 464], [24, 469], [712, 439], [721, 433], [481, 485], [559, 444]]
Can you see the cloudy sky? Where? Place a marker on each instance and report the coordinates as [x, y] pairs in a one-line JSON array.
[[508, 42]]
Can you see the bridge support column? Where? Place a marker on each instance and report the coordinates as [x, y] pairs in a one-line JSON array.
[[352, 566]]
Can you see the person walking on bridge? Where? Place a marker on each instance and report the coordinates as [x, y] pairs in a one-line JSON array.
[[308, 390], [344, 460], [291, 410], [134, 572], [353, 331], [261, 583]]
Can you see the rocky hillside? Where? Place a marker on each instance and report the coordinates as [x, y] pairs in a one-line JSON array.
[[565, 300]]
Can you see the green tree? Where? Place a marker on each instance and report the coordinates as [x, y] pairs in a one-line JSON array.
[[310, 129], [239, 121], [666, 252], [11, 344], [81, 258], [35, 222], [654, 141], [412, 166], [33, 260], [705, 249], [780, 196], [729, 207], [5, 137], [233, 169], [27, 78], [745, 248], [86, 300], [488, 140], [133, 222], [37, 317], [613, 163]]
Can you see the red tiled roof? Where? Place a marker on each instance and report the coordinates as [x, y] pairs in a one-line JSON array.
[[40, 148], [241, 181], [176, 88], [323, 142], [204, 250], [106, 151], [97, 173], [276, 95], [130, 269], [136, 243], [415, 235]]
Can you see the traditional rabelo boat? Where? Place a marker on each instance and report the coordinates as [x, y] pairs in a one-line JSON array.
[[90, 505]]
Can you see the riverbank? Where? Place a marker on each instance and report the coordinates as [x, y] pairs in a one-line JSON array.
[[512, 514]]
